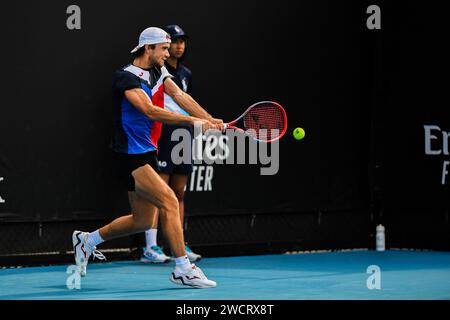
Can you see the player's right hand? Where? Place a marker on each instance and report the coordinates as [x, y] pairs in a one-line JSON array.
[[217, 121], [208, 125]]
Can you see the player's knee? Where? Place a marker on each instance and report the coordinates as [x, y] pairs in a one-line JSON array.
[[169, 202]]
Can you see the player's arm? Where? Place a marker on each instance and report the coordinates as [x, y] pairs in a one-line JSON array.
[[140, 100], [186, 102]]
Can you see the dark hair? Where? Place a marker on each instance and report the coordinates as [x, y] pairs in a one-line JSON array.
[[141, 51]]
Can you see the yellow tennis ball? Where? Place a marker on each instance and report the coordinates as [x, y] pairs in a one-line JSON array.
[[299, 133]]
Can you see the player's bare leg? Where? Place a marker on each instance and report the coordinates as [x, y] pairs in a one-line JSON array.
[[143, 214], [178, 183], [153, 253], [151, 193], [147, 182], [157, 194], [166, 179]]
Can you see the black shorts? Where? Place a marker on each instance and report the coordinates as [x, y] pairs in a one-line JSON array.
[[165, 145], [125, 164]]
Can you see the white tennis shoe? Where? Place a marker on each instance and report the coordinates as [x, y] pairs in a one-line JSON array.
[[192, 256], [194, 277], [154, 255], [82, 251]]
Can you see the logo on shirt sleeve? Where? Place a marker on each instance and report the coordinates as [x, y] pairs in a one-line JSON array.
[[185, 84]]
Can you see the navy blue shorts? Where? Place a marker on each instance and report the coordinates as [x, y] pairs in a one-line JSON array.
[[165, 146]]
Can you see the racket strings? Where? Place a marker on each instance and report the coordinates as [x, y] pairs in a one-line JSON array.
[[265, 121]]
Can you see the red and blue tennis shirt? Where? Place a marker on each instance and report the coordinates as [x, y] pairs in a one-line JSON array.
[[134, 132]]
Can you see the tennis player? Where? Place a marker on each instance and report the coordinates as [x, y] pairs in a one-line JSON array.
[[175, 175], [138, 111]]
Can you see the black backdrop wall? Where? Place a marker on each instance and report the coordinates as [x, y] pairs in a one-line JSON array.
[[363, 97], [410, 188]]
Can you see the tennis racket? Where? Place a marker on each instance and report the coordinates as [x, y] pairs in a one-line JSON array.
[[264, 121]]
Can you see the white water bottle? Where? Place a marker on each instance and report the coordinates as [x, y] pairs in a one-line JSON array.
[[380, 238]]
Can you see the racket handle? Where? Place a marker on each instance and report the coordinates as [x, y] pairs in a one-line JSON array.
[[225, 126]]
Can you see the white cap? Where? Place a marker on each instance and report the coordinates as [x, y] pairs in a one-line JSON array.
[[152, 35]]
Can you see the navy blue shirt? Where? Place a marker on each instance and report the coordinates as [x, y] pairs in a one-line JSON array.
[[182, 76]]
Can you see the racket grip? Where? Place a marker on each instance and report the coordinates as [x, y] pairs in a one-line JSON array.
[[225, 126]]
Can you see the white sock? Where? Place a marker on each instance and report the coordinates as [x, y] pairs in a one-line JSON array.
[[94, 239], [183, 263], [150, 237]]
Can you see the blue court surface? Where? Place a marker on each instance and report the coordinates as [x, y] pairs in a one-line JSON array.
[[321, 276]]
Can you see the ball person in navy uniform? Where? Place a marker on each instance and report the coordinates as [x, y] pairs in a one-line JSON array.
[[175, 175]]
